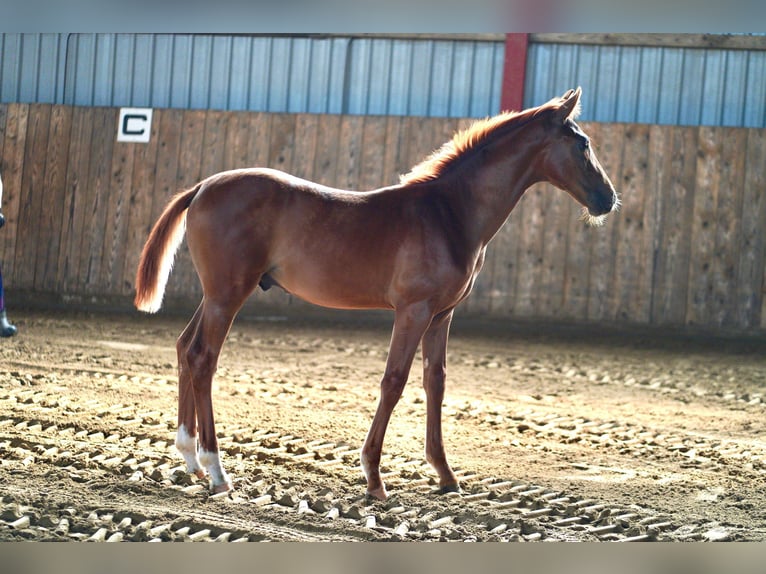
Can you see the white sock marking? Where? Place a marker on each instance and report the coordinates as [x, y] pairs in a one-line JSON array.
[[187, 446]]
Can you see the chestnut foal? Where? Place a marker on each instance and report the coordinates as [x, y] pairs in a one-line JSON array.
[[415, 247]]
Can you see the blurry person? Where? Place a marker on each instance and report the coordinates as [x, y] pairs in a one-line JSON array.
[[6, 329]]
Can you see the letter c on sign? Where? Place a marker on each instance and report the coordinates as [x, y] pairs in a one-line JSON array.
[[141, 121]]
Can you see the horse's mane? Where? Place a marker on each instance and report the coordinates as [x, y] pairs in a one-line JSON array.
[[473, 138]]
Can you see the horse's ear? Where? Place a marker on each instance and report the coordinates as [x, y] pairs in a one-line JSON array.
[[570, 105]]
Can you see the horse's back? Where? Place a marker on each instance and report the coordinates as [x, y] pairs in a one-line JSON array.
[[260, 180]]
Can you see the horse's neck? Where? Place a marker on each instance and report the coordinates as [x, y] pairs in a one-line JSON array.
[[498, 185]]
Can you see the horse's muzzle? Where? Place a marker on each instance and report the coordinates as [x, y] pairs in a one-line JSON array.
[[602, 203]]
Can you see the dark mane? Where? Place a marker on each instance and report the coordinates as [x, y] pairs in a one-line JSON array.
[[470, 139]]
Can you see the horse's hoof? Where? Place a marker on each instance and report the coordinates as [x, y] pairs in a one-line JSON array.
[[199, 473], [219, 488], [377, 493], [448, 489]]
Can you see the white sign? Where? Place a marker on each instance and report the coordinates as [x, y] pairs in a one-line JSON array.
[[135, 125]]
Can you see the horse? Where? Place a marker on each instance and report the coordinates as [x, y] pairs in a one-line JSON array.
[[415, 248]]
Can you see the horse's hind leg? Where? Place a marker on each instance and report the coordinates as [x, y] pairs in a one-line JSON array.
[[186, 436], [202, 352], [434, 374]]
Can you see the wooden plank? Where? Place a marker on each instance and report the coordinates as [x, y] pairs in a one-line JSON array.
[[529, 234], [675, 166], [609, 144], [282, 142], [659, 194], [751, 273], [349, 152], [306, 130], [550, 290], [191, 149], [118, 216], [395, 159], [728, 229], [390, 152], [32, 192], [12, 160], [326, 158], [707, 184], [628, 294], [412, 151], [48, 254], [166, 182], [420, 142], [140, 200], [641, 306], [237, 154], [97, 200], [496, 287], [426, 136], [655, 40], [73, 227], [574, 296], [372, 173], [214, 143], [259, 145]]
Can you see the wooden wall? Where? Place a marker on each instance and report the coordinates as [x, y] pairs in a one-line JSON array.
[[688, 246]]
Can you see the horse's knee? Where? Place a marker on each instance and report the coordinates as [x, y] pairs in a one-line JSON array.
[[392, 387]]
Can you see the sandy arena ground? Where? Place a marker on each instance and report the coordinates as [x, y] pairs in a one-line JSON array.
[[557, 433]]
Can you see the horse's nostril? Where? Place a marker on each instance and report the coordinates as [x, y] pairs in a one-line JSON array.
[[603, 203]]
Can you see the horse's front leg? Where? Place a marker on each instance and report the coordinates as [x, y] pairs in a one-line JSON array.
[[186, 436], [434, 375], [409, 325]]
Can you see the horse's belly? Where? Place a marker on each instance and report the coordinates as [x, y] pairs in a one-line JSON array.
[[335, 292]]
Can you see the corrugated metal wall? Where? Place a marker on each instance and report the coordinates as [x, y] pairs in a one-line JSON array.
[[678, 86], [336, 75], [32, 68], [374, 76]]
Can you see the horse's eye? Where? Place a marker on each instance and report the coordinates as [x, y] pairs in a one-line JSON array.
[[584, 144]]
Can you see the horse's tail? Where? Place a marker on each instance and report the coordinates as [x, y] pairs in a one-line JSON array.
[[159, 251]]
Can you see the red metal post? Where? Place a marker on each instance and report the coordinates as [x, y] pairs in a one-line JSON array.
[[514, 71]]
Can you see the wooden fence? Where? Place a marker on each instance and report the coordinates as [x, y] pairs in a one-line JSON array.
[[687, 247]]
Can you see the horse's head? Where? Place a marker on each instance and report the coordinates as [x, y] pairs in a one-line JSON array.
[[570, 163]]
